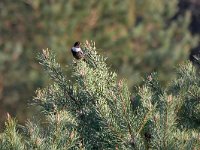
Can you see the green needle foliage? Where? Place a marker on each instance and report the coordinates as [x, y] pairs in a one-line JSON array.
[[187, 87], [92, 109], [138, 36]]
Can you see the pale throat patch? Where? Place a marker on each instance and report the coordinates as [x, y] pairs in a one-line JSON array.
[[76, 49]]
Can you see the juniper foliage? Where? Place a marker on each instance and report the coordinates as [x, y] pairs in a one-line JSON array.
[[93, 109]]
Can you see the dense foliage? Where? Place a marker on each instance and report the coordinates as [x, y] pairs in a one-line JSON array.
[[138, 36], [93, 109]]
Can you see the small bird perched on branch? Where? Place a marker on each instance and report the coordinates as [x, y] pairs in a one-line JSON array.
[[76, 51]]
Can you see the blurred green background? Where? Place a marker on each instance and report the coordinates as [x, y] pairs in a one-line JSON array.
[[138, 37]]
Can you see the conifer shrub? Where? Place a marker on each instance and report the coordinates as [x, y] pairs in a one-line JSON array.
[[93, 109]]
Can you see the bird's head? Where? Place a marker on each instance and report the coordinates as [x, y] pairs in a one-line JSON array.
[[77, 44]]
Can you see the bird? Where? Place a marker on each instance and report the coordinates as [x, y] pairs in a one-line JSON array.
[[77, 52]]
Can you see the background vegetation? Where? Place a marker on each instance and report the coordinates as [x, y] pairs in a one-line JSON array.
[[138, 36]]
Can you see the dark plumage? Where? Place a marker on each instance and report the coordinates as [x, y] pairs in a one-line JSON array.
[[76, 51]]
